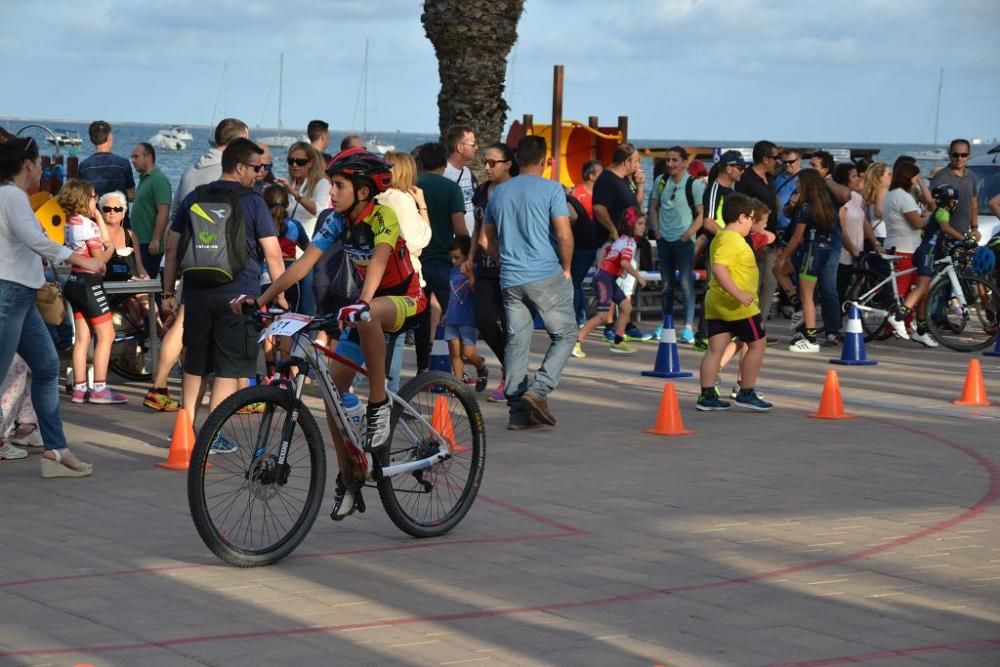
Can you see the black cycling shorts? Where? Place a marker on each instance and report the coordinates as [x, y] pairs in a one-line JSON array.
[[85, 293], [217, 340]]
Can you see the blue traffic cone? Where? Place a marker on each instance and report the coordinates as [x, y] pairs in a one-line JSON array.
[[853, 353], [996, 350], [668, 361], [440, 359]]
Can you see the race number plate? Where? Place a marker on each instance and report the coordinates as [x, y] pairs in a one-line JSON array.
[[285, 325]]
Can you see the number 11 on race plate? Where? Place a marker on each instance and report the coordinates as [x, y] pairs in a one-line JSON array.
[[285, 325]]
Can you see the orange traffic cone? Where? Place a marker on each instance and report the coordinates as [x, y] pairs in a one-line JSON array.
[[974, 393], [668, 419], [831, 405], [441, 422], [181, 444]]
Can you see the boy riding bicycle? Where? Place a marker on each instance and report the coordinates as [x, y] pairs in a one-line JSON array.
[[390, 298]]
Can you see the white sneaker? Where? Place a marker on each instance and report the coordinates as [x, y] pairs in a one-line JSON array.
[[924, 339], [377, 425], [803, 345], [11, 453], [898, 328]]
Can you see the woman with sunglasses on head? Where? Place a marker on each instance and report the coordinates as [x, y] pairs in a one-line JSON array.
[[308, 191], [491, 319], [87, 235], [23, 245]]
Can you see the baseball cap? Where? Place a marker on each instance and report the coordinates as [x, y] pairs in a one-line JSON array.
[[732, 157]]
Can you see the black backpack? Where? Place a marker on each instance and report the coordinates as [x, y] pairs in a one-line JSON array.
[[213, 246], [661, 185]]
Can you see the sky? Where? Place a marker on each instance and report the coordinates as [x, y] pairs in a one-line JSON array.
[[863, 71]]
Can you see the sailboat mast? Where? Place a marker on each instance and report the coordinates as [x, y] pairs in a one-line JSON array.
[[364, 93], [281, 76], [937, 110]]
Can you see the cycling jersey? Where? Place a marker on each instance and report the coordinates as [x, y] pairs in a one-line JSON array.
[[622, 250], [377, 226], [83, 237], [931, 235]]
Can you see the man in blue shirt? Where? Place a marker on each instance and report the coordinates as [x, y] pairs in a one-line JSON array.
[[106, 171], [527, 219]]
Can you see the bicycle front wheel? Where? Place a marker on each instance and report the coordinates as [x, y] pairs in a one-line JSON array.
[[872, 323], [430, 502], [249, 509], [963, 328]]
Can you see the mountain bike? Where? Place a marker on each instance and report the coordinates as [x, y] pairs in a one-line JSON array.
[[962, 308], [254, 506]]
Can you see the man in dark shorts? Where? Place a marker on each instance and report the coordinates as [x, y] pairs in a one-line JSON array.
[[222, 344]]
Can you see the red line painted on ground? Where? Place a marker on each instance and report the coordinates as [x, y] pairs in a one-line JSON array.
[[564, 531], [976, 645], [990, 497]]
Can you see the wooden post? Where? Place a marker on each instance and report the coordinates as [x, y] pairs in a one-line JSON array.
[[557, 104], [593, 122], [45, 184], [528, 121], [73, 167], [623, 128]]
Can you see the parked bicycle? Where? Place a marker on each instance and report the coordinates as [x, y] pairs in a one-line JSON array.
[[254, 506], [962, 308]]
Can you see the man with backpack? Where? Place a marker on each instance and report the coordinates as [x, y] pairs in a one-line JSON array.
[[675, 216], [220, 234]]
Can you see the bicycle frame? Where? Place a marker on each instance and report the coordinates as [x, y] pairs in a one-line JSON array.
[[306, 353], [948, 270]]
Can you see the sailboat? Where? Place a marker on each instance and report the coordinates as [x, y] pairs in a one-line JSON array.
[[280, 140], [936, 154], [371, 143]]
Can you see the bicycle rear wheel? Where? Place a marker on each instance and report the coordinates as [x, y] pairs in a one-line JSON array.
[[249, 510], [968, 328], [129, 361], [873, 324], [431, 502]]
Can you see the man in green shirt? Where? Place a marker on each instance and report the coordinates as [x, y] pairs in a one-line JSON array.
[[151, 207], [446, 211]]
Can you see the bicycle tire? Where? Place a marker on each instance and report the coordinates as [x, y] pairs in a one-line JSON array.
[[205, 482], [402, 494], [874, 328], [968, 331], [120, 367]]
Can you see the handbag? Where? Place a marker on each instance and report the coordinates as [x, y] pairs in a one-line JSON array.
[[51, 303]]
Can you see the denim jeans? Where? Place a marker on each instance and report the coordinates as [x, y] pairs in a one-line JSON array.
[[23, 331], [583, 259], [828, 298], [552, 298], [676, 257]]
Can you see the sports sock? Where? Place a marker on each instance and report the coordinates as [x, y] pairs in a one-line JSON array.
[[708, 392], [100, 386], [619, 339], [80, 386]]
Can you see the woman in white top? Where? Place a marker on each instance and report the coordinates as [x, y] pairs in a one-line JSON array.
[[309, 186], [903, 220], [877, 179], [407, 201], [23, 244]]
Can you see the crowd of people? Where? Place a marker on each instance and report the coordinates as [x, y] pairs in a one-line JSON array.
[[412, 242]]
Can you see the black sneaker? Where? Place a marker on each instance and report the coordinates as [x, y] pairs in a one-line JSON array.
[[482, 378], [377, 425], [346, 500], [707, 403]]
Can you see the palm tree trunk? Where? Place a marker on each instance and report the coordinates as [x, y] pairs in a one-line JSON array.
[[472, 39]]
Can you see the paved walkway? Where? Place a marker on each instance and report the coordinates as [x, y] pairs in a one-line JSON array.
[[763, 539]]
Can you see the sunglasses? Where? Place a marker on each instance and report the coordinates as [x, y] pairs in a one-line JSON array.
[[112, 209], [256, 167], [268, 166], [493, 163], [960, 155], [276, 204], [789, 161], [298, 161]]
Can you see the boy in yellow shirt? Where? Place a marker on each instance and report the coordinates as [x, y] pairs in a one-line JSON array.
[[731, 308]]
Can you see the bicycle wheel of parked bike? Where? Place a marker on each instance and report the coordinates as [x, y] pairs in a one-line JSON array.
[[873, 324], [130, 361], [430, 502], [968, 328], [248, 509]]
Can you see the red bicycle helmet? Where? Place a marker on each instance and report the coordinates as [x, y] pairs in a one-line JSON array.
[[358, 163]]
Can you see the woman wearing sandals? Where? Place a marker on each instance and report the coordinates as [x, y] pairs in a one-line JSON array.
[[23, 244]]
